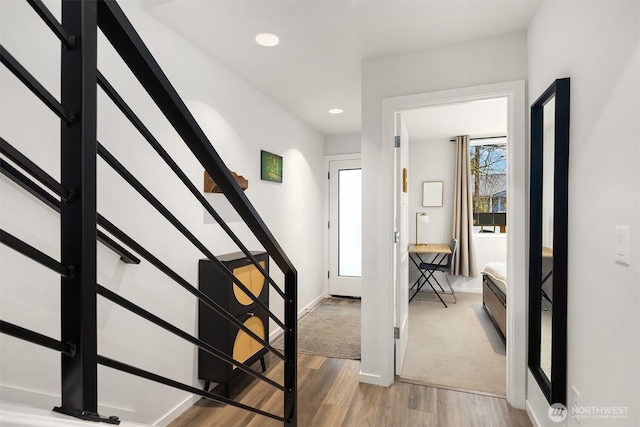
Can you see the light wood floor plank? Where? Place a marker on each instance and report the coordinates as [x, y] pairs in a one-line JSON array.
[[418, 418], [452, 408], [329, 416], [309, 361], [329, 394], [424, 399], [482, 411], [364, 406], [345, 385], [397, 401]]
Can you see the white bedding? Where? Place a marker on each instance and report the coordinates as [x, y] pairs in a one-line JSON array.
[[497, 271]]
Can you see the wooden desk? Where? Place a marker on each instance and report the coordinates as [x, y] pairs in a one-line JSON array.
[[441, 251], [430, 248]]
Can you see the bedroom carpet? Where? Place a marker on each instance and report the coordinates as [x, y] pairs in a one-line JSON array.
[[332, 329], [456, 347]]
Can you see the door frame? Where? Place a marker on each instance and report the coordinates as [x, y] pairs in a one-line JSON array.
[[327, 213], [517, 250]]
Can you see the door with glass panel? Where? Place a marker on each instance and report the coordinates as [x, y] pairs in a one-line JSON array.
[[345, 228]]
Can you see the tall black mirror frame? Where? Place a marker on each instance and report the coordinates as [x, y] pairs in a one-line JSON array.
[[554, 388]]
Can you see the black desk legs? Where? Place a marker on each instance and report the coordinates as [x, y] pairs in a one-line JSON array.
[[421, 283]]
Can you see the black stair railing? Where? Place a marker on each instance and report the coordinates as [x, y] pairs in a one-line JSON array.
[[75, 201]]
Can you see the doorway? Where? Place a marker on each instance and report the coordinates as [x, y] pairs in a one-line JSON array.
[[378, 300], [345, 228], [452, 342]]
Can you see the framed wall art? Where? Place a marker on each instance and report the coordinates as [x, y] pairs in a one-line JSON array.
[[270, 167], [432, 193]]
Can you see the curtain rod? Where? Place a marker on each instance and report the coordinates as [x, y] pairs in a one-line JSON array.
[[486, 137]]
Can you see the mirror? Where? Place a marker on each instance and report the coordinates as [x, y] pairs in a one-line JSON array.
[[548, 240], [432, 193], [546, 285]]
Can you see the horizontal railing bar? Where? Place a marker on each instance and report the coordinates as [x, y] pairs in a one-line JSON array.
[[34, 170], [126, 41], [144, 131], [187, 286], [68, 40], [38, 192], [36, 255], [126, 256], [113, 297], [119, 366], [37, 338], [34, 85], [146, 194]]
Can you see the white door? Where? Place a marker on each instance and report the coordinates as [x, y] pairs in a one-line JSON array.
[[401, 263], [345, 228]]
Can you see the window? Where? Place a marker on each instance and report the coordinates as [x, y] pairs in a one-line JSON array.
[[489, 187]]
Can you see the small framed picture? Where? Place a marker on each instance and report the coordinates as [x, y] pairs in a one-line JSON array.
[[432, 193], [270, 167]]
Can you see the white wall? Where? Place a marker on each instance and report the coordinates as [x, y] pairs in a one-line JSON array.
[[239, 121], [433, 160], [490, 60], [342, 144], [596, 45]]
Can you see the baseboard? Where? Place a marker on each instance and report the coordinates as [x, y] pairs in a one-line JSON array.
[[177, 411], [273, 336], [532, 415], [311, 305], [45, 401], [371, 379]]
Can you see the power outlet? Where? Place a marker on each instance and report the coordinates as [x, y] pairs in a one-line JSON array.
[[575, 404]]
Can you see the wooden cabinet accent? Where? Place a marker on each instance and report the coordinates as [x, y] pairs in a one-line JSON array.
[[244, 346], [251, 277], [217, 331]]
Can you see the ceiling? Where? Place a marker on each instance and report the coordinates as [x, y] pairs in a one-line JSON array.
[[480, 118], [316, 66]]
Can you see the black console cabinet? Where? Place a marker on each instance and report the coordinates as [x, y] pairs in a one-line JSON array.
[[218, 332]]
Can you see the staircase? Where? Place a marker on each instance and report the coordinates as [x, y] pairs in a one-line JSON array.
[[75, 197]]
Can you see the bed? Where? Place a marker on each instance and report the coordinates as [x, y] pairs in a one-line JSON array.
[[494, 295]]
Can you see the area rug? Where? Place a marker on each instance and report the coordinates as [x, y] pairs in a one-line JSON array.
[[456, 347], [332, 329]]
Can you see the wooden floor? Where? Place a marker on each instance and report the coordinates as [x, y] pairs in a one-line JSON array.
[[329, 394]]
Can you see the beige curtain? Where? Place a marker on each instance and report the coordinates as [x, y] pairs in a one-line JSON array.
[[464, 263]]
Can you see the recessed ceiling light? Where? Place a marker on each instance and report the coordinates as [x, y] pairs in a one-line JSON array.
[[267, 39], [336, 111]]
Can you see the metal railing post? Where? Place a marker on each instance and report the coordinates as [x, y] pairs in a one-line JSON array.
[[291, 349], [78, 93]]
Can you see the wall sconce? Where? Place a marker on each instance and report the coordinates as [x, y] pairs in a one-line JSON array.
[[421, 218]]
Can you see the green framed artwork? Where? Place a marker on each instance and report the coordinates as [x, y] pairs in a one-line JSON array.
[[271, 167]]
